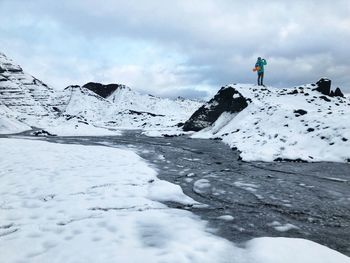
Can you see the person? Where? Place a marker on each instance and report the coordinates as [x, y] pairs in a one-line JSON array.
[[259, 67]]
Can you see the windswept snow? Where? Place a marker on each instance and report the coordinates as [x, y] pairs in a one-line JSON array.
[[288, 124], [74, 203]]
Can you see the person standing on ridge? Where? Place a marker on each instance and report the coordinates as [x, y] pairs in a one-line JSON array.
[[259, 67]]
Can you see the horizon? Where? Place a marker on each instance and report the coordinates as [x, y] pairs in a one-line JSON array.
[[186, 49]]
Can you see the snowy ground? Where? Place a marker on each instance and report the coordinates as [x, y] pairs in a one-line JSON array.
[[286, 124], [74, 203]]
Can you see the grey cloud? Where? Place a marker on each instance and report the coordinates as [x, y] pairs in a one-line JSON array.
[[302, 40]]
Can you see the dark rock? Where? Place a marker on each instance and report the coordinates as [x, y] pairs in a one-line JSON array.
[[344, 139], [172, 135], [300, 112], [310, 130], [338, 93], [56, 109], [145, 113], [42, 133], [226, 100], [293, 92], [325, 98], [331, 94], [14, 70], [2, 70], [298, 160], [103, 90], [324, 86], [180, 124]]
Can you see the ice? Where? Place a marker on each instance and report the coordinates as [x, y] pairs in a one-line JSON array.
[[226, 217], [201, 186], [282, 228]]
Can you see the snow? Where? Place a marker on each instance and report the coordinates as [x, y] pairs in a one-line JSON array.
[[290, 250], [128, 109], [78, 203], [269, 129], [11, 125]]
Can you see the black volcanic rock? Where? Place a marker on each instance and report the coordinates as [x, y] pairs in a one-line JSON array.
[[103, 90], [325, 98], [226, 100], [324, 86], [300, 112], [338, 93]]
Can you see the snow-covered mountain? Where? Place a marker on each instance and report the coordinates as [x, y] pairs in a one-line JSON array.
[[24, 94], [93, 109], [279, 124], [127, 109]]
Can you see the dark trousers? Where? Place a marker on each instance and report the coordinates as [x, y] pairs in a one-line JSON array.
[[260, 78]]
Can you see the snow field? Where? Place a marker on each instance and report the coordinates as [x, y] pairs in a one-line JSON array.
[[74, 203], [70, 203]]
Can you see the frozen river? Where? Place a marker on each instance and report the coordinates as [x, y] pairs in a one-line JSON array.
[[246, 200]]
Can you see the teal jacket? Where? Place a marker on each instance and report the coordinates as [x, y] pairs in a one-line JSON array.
[[261, 63]]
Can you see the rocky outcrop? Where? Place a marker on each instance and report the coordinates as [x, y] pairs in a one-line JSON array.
[[103, 90], [338, 93], [324, 86], [226, 100]]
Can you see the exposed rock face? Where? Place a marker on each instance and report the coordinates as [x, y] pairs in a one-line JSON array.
[[338, 93], [103, 90], [226, 100], [324, 86]]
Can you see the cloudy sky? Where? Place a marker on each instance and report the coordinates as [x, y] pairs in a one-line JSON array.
[[178, 47]]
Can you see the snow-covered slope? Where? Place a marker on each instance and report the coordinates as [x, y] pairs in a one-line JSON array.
[[128, 109], [9, 123], [289, 124]]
